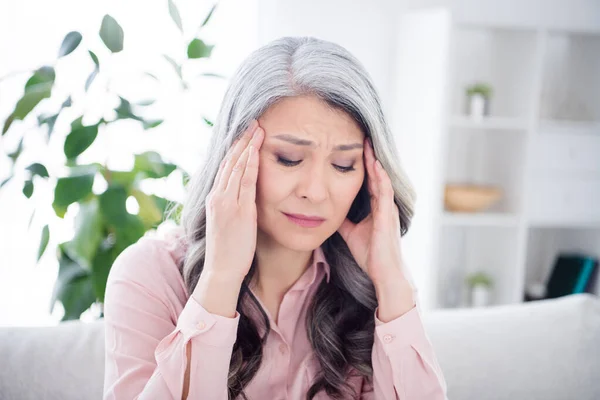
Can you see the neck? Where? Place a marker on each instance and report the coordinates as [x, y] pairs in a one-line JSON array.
[[278, 268]]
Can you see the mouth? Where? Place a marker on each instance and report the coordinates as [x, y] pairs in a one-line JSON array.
[[306, 221]]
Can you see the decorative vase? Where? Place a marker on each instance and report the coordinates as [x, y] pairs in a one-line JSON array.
[[480, 296], [477, 106]]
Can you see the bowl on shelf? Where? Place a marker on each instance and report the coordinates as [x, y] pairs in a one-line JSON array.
[[470, 198]]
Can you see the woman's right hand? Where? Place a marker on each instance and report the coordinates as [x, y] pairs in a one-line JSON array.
[[231, 216]]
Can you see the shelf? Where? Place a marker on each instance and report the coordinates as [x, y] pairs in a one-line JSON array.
[[491, 123], [489, 219], [566, 224], [546, 243], [568, 127]]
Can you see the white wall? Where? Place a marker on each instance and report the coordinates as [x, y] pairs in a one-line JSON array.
[[365, 28], [560, 14]]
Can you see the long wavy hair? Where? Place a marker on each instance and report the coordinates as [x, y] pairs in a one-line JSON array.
[[340, 324]]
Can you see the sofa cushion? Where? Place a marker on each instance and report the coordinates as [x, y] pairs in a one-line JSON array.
[[540, 350], [547, 349], [64, 362]]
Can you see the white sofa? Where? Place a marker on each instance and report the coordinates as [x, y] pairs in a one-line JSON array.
[[546, 350]]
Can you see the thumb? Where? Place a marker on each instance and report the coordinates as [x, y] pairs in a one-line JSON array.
[[346, 227]]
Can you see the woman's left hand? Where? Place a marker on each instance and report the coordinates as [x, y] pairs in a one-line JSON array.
[[375, 241]]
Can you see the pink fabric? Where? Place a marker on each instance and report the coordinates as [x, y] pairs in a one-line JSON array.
[[150, 318]]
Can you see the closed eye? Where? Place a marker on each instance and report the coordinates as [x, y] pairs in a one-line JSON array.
[[290, 163]]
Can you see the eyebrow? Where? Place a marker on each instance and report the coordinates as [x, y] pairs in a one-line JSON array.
[[303, 142]]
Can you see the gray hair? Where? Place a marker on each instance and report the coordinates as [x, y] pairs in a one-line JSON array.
[[288, 67]]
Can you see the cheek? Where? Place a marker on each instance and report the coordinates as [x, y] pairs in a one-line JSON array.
[[268, 186], [345, 192]]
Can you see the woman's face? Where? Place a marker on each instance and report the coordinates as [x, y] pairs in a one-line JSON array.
[[304, 171]]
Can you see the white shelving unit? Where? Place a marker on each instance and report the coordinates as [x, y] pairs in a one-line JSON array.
[[540, 145]]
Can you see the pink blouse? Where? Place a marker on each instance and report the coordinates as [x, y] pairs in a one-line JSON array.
[[150, 317]]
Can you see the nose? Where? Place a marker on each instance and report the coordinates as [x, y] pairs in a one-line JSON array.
[[312, 184]]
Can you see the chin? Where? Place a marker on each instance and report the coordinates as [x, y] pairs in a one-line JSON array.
[[299, 242]]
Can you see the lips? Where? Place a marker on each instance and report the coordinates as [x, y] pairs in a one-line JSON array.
[[306, 221], [306, 217]]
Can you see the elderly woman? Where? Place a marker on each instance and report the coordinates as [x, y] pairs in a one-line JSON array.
[[285, 278]]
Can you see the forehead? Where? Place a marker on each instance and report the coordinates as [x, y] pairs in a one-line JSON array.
[[311, 118]]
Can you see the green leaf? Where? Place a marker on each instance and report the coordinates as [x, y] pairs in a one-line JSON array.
[[151, 75], [7, 123], [31, 219], [207, 122], [210, 13], [111, 34], [213, 75], [76, 297], [42, 75], [88, 234], [152, 124], [28, 188], [113, 206], [30, 99], [38, 87], [124, 110], [175, 66], [152, 165], [101, 265], [198, 49], [94, 58], [151, 208], [185, 178], [71, 189], [70, 43], [38, 169], [175, 15], [94, 73], [5, 181], [73, 287], [80, 138], [43, 241], [129, 232], [90, 79], [67, 103], [48, 120], [14, 156], [123, 178]]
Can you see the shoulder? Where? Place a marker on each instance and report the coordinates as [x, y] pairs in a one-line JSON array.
[[152, 262]]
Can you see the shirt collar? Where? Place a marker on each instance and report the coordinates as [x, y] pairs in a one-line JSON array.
[[317, 269]]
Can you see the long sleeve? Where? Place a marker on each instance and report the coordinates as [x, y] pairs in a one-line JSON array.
[[404, 363], [146, 341]]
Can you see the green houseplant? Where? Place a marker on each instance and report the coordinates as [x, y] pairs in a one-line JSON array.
[[480, 285], [478, 99], [103, 225]]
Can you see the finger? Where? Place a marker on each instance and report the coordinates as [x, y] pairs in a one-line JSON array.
[[244, 175], [219, 173], [235, 153], [371, 174], [384, 184], [247, 186]]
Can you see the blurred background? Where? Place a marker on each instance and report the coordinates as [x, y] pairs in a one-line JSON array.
[[106, 109]]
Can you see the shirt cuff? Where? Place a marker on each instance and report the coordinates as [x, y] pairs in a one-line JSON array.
[[403, 331], [210, 329]]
